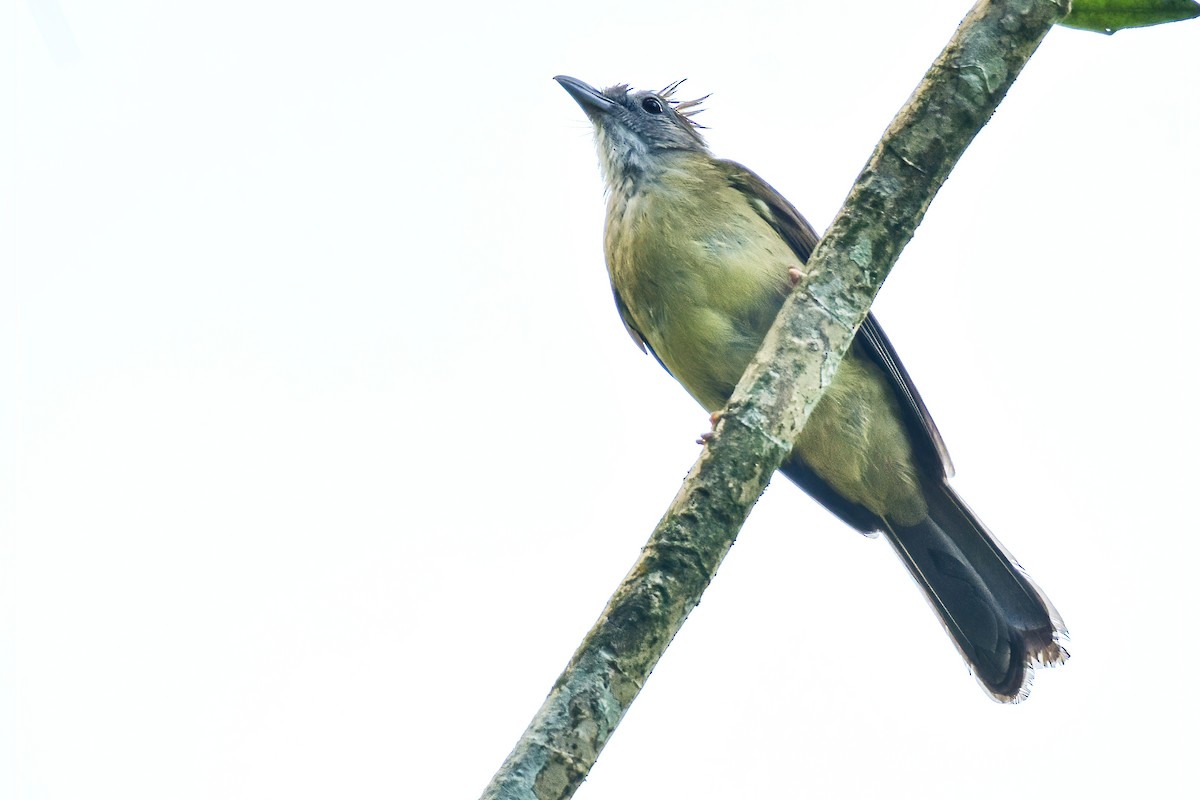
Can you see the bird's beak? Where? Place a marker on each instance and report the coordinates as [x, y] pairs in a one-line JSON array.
[[590, 100]]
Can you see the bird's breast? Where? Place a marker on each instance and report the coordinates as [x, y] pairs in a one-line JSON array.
[[701, 276]]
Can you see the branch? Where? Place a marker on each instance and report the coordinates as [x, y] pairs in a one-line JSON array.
[[781, 386]]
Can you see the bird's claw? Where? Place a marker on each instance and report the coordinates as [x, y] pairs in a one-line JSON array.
[[713, 419]]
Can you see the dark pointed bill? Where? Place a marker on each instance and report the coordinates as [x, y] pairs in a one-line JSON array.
[[590, 99]]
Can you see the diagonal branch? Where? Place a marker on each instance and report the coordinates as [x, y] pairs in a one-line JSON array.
[[781, 386]]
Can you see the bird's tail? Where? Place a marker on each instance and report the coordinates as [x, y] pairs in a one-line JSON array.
[[1001, 621]]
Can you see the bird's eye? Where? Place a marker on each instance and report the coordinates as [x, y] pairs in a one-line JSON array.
[[651, 105]]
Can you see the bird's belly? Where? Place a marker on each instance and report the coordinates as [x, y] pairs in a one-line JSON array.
[[857, 442], [855, 439]]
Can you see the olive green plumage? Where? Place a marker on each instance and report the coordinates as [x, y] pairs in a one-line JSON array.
[[699, 252]]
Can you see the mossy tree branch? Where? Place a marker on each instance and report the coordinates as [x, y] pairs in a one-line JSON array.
[[800, 354]]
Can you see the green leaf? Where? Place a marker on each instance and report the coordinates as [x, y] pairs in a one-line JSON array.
[[1110, 16]]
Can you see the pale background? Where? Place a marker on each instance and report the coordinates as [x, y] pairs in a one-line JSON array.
[[322, 445]]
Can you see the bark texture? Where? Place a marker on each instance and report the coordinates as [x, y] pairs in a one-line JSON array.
[[800, 354]]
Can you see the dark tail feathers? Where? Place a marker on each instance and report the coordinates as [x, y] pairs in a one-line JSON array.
[[1002, 623]]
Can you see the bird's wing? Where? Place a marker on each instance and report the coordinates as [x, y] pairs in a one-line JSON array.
[[634, 333], [800, 236], [884, 355], [627, 319], [775, 209]]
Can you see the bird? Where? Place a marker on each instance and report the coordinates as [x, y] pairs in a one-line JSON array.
[[701, 254]]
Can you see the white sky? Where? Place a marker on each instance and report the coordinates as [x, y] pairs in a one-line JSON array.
[[321, 443]]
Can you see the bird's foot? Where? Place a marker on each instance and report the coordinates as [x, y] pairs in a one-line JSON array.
[[713, 419]]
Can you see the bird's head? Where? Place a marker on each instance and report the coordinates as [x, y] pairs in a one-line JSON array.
[[635, 129]]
